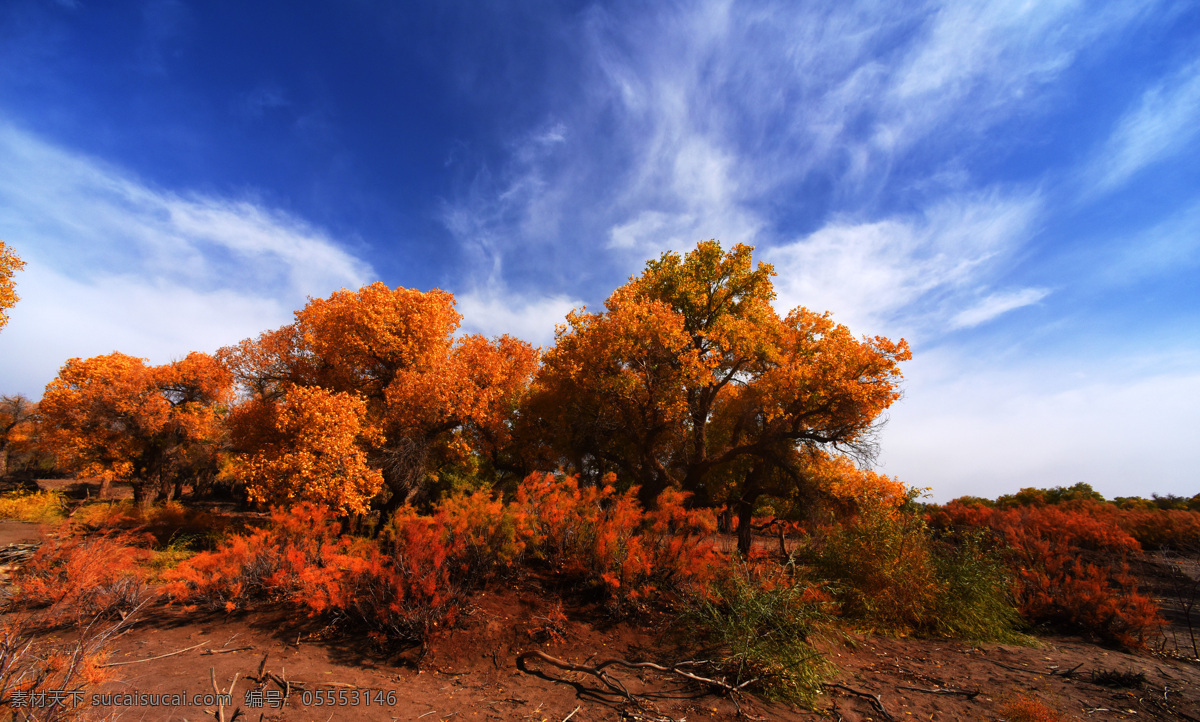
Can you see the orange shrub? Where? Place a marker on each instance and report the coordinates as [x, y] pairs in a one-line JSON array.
[[74, 578], [166, 523], [483, 534], [411, 582], [35, 670], [607, 536], [301, 558]]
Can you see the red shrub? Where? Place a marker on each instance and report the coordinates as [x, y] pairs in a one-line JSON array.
[[1162, 528], [1028, 709], [1069, 564], [80, 577], [301, 558], [608, 537]]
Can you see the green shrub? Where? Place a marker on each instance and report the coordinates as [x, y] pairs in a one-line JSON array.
[[887, 571], [881, 568], [758, 624], [976, 599]]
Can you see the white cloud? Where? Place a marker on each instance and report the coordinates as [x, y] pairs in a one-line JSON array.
[[1124, 425], [906, 274], [1165, 120], [995, 305], [59, 317], [494, 311], [990, 52], [114, 264]]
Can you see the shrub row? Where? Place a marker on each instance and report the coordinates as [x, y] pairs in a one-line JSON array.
[[413, 578]]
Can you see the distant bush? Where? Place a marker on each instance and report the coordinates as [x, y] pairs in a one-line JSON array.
[[169, 524], [1070, 566], [39, 507], [1173, 529]]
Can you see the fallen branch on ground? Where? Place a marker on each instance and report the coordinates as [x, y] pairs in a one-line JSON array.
[[944, 690], [616, 686], [225, 651], [220, 714], [151, 659], [874, 699]]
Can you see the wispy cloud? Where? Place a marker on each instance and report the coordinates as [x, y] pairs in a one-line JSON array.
[[997, 304], [1165, 120], [116, 264], [748, 123], [908, 274], [495, 311]]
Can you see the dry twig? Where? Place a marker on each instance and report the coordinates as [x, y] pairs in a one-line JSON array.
[[151, 659], [874, 699], [969, 694]]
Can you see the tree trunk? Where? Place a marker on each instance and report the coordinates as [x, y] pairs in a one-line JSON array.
[[745, 530], [141, 498], [745, 508], [725, 520]]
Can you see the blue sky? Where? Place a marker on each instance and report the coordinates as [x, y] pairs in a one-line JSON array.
[[1014, 187]]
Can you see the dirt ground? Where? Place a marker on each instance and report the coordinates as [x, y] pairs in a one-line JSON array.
[[18, 532], [471, 672]]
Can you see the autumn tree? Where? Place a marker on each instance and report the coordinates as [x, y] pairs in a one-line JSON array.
[[428, 400], [689, 379], [10, 263], [16, 424], [117, 418], [307, 446]]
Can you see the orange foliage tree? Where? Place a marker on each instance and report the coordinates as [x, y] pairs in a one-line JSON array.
[[10, 263], [689, 379], [308, 447], [16, 426], [428, 400], [116, 417]]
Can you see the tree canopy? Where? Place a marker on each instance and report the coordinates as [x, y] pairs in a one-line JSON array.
[[689, 379], [412, 400], [10, 263], [117, 417]]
